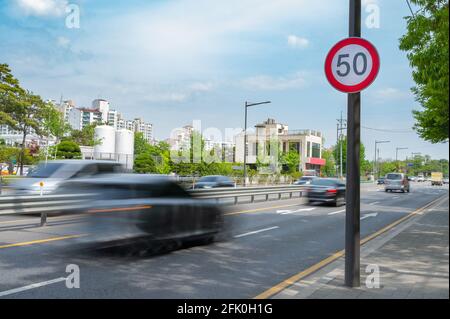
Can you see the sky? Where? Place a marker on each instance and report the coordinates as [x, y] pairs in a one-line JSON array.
[[175, 61]]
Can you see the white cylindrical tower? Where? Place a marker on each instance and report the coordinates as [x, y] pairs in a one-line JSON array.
[[125, 147], [106, 148]]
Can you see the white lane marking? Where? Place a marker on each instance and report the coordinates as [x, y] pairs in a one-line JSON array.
[[394, 197], [32, 286], [373, 203], [369, 215], [288, 211], [337, 212], [256, 232]]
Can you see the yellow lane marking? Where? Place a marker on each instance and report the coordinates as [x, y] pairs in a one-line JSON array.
[[41, 241], [291, 280], [261, 209]]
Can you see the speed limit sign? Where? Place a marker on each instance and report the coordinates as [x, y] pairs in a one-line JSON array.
[[352, 65]]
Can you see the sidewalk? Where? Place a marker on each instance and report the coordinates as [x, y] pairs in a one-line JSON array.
[[413, 260]]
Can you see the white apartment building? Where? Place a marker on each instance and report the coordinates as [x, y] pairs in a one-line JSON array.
[[180, 138], [308, 143], [145, 128]]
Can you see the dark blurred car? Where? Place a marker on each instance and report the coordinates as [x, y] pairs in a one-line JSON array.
[[327, 190], [380, 181], [124, 206], [305, 180], [214, 181], [53, 173]]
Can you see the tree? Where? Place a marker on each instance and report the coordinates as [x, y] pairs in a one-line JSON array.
[[68, 150], [329, 169], [85, 137], [10, 92], [364, 164], [426, 42]]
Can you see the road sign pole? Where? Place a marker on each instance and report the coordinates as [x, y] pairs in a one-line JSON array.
[[352, 218]]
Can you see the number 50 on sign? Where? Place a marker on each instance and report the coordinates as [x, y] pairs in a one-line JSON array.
[[352, 65]]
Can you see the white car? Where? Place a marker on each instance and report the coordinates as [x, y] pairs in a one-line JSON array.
[[46, 177]]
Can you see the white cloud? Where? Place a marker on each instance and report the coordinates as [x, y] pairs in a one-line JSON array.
[[269, 83], [297, 42], [42, 7], [63, 42], [390, 94]]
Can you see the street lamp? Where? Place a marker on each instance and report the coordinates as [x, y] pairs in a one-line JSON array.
[[375, 156], [396, 154], [247, 105]]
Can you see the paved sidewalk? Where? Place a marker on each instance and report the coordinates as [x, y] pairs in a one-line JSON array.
[[413, 260]]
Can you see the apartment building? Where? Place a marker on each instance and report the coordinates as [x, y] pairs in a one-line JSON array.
[[308, 144]]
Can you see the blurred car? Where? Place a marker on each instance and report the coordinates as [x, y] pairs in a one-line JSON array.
[[380, 181], [124, 206], [53, 173], [214, 181], [396, 182], [420, 179], [305, 180], [327, 190], [445, 180]]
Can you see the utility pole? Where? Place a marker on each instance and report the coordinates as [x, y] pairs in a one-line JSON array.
[[375, 157], [396, 155], [339, 140], [352, 214], [247, 105]]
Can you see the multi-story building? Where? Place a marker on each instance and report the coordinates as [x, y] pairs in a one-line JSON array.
[[180, 139], [308, 144], [145, 128]]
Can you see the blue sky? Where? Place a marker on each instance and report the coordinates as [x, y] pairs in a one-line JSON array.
[[174, 61]]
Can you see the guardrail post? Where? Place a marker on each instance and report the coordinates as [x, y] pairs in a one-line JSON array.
[[235, 200], [267, 197], [43, 219], [252, 198], [279, 196]]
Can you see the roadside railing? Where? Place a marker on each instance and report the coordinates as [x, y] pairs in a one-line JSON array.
[[53, 203]]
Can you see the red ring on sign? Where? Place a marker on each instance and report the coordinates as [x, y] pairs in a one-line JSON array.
[[368, 80]]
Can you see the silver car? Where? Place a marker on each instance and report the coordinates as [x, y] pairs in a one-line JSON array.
[[396, 182], [46, 177]]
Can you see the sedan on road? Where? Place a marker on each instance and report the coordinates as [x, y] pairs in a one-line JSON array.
[[327, 190], [48, 176], [156, 208], [396, 182], [380, 181], [305, 180], [214, 181]]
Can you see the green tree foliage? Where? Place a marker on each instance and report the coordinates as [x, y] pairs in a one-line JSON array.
[[83, 137], [10, 94], [151, 158], [68, 150], [329, 169], [365, 167], [426, 42]]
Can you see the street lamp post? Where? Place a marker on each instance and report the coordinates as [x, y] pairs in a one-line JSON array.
[[247, 105], [375, 157], [396, 154]]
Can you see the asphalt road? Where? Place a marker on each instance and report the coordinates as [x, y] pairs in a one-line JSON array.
[[267, 243]]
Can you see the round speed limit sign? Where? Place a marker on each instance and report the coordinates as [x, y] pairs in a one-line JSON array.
[[352, 65]]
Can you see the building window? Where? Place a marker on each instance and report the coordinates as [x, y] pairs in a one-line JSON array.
[[315, 150], [308, 149]]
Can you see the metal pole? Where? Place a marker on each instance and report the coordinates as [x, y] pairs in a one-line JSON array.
[[352, 217], [245, 147], [341, 147], [375, 162], [337, 148]]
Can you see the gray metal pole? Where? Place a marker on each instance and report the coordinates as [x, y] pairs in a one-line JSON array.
[[245, 147], [352, 217], [375, 162]]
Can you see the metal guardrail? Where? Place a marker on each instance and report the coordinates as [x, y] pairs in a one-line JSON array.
[[49, 203]]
